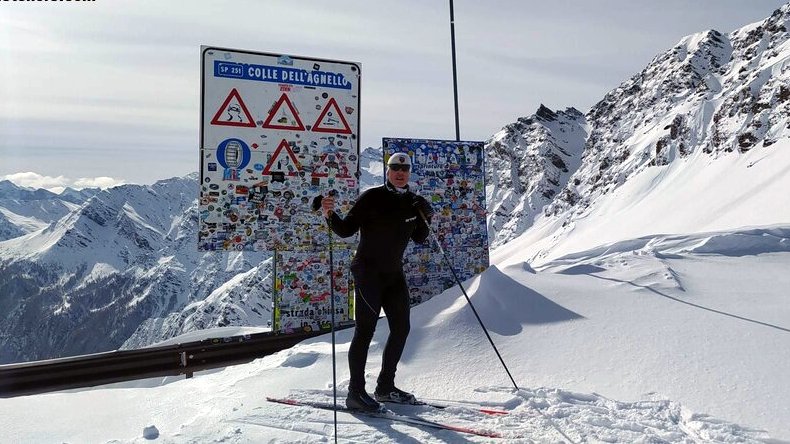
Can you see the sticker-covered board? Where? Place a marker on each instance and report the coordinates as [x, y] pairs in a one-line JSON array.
[[451, 175], [276, 131], [303, 292]]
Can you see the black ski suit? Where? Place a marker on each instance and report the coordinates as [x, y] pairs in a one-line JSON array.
[[386, 220]]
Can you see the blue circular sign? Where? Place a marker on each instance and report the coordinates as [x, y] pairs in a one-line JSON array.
[[233, 154]]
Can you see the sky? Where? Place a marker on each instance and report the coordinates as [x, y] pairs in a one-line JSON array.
[[107, 92]]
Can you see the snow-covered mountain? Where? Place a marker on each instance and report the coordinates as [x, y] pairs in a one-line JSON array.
[[371, 167], [712, 95], [24, 210], [528, 164], [123, 263]]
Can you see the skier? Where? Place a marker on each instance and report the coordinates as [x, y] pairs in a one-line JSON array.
[[386, 217]]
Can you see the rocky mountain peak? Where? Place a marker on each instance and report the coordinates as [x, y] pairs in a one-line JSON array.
[[705, 52], [538, 154], [545, 114], [767, 34], [710, 94], [24, 210]]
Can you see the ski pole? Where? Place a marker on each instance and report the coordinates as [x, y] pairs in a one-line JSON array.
[[315, 206], [332, 307], [457, 280]]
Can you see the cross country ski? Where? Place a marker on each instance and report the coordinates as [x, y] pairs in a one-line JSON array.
[[484, 410], [386, 415]]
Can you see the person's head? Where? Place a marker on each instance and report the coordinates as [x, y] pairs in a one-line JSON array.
[[399, 169]]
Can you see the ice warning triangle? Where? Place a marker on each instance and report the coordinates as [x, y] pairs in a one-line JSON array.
[[284, 116], [283, 161], [233, 112], [331, 120]]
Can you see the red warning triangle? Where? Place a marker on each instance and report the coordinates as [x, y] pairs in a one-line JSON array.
[[331, 161], [286, 116], [331, 120], [233, 112], [283, 161]]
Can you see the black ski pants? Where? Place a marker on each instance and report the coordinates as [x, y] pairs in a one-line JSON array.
[[374, 290]]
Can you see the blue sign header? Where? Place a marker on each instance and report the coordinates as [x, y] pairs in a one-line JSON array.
[[279, 74]]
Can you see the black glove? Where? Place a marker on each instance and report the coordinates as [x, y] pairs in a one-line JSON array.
[[421, 205]]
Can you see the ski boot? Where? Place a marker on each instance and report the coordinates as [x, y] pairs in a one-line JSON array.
[[394, 394], [360, 400]]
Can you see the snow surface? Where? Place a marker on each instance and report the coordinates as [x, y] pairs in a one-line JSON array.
[[692, 195], [663, 339]]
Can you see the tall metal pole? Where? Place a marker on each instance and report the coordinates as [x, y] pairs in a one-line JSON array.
[[455, 73], [446, 258]]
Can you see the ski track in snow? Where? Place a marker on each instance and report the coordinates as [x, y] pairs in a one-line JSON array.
[[536, 415]]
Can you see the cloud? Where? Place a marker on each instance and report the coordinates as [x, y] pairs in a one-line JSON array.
[[57, 184], [96, 182]]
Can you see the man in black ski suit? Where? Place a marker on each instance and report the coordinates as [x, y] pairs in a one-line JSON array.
[[386, 217]]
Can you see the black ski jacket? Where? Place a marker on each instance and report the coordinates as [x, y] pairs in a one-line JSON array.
[[386, 220]]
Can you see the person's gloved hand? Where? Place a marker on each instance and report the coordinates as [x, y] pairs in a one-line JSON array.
[[327, 205], [422, 205]]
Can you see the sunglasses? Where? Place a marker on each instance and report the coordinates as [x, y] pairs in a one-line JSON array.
[[396, 167]]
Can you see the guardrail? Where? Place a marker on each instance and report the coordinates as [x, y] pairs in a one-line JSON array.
[[30, 378]]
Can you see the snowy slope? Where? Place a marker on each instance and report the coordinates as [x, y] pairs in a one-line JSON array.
[[696, 194], [672, 339]]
